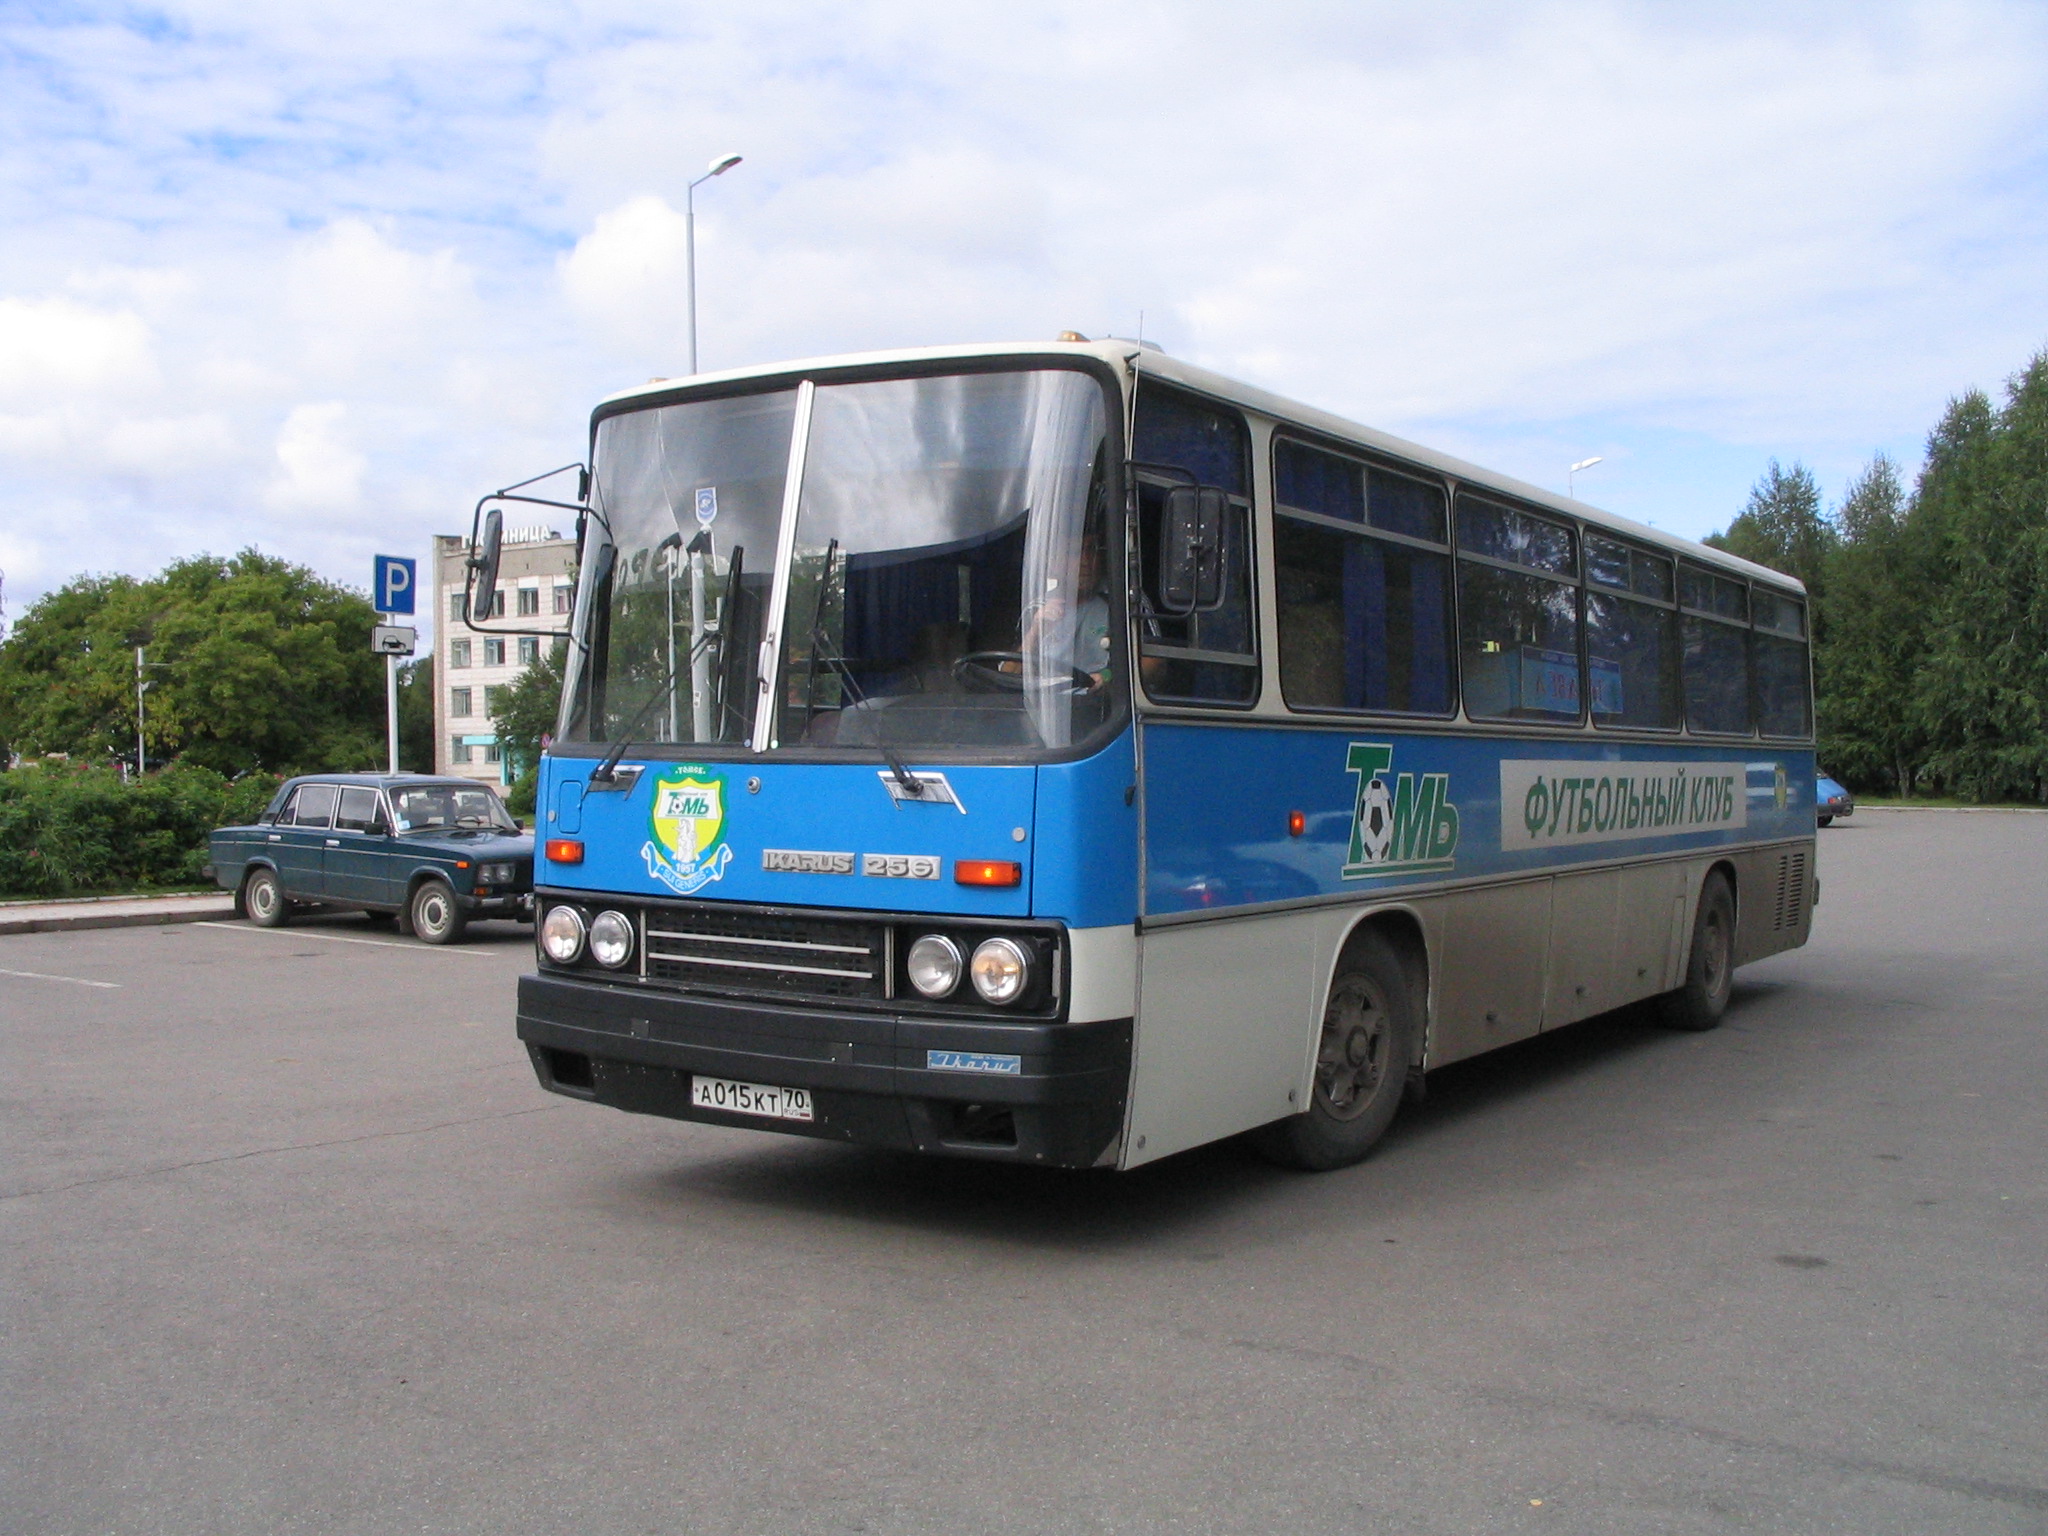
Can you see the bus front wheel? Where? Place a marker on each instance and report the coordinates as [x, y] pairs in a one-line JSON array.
[[1362, 1060], [1710, 968]]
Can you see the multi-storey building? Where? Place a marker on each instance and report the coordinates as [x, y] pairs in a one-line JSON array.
[[535, 582]]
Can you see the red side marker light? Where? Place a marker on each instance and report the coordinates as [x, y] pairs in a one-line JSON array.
[[987, 872], [1296, 823], [564, 850]]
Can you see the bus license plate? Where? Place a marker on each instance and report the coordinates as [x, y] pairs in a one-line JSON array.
[[750, 1098]]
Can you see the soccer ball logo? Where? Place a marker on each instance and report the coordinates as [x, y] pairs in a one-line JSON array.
[[1375, 822]]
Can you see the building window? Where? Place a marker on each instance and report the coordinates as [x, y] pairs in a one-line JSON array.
[[458, 653], [490, 751], [455, 607], [529, 650], [562, 598], [494, 698], [529, 602], [458, 750], [494, 653], [458, 703]]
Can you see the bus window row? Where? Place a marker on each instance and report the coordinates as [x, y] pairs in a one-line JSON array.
[[1397, 597]]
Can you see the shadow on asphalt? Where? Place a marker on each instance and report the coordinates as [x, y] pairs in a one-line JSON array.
[[491, 933], [1099, 1209]]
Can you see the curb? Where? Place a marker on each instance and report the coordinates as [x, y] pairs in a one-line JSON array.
[[1957, 810], [62, 922]]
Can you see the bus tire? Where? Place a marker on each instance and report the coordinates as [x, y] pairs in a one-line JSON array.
[[263, 899], [1710, 966], [437, 917], [1362, 1062]]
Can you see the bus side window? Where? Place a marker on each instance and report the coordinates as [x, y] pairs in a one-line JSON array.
[[1631, 636], [1715, 629], [1210, 657], [1518, 614], [1779, 650], [1364, 586]]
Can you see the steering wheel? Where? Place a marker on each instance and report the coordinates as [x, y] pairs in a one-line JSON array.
[[1003, 672]]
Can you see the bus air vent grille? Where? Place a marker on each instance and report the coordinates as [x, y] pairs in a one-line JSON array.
[[784, 954], [1791, 903]]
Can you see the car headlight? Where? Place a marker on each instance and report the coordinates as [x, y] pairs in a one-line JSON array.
[[561, 935], [611, 939], [1000, 970], [935, 965], [497, 874]]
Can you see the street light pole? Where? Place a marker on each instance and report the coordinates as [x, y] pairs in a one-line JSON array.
[[140, 688], [718, 168]]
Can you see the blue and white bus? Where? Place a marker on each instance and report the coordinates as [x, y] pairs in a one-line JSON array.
[[1065, 755]]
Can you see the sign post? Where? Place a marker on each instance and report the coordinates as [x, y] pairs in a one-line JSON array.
[[393, 582]]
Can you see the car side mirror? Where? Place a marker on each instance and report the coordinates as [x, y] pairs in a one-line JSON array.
[[1191, 549], [485, 551]]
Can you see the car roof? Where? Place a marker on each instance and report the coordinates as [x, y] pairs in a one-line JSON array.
[[388, 780]]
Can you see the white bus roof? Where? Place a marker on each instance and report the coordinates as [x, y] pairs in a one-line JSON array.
[[1122, 353]]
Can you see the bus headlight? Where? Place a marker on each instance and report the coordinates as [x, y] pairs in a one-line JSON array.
[[1000, 970], [611, 939], [934, 965], [561, 935]]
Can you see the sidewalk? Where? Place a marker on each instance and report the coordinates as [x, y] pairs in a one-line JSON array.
[[113, 912]]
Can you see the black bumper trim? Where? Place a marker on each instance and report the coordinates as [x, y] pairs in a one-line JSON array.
[[637, 1050]]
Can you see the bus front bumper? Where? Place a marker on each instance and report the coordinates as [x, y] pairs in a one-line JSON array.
[[870, 1075]]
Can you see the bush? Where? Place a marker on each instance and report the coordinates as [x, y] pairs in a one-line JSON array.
[[519, 798], [67, 830]]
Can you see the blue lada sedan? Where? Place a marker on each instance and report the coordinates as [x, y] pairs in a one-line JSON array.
[[435, 853]]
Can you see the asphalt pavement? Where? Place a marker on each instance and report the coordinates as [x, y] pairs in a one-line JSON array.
[[291, 1242]]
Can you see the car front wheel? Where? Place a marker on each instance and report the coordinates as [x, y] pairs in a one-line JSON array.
[[436, 916], [263, 899]]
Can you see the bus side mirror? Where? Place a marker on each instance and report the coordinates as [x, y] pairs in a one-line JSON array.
[[1191, 549], [484, 552]]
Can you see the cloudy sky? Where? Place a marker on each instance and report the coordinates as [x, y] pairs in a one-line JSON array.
[[314, 276]]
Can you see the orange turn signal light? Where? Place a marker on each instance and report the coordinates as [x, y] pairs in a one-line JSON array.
[[564, 850], [1296, 823], [987, 872]]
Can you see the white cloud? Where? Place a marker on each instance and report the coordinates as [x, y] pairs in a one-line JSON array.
[[54, 349], [628, 277], [320, 469]]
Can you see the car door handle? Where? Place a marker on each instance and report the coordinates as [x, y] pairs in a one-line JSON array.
[[334, 842], [276, 837]]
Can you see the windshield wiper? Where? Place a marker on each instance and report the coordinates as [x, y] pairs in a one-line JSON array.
[[821, 650], [606, 772]]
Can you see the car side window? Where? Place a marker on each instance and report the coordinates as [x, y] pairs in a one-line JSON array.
[[358, 810], [287, 813], [315, 805]]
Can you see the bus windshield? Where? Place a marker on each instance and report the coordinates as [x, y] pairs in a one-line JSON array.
[[944, 583]]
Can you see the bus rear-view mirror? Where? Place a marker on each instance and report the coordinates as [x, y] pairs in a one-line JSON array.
[[484, 552], [1191, 549]]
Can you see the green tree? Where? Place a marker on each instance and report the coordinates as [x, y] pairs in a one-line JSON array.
[[1783, 526], [1979, 528], [524, 720], [416, 715], [255, 664], [1875, 638]]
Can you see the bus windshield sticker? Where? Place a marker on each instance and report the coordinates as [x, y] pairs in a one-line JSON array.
[[1401, 824], [687, 819], [1556, 805]]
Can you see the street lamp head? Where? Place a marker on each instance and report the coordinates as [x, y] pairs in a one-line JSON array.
[[1586, 463], [723, 164]]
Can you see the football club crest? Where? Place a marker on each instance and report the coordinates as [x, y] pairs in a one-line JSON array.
[[687, 850], [1401, 824]]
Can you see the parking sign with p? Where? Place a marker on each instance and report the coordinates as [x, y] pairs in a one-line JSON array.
[[394, 584]]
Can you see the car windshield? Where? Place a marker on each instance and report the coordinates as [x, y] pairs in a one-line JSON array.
[[944, 582], [445, 807]]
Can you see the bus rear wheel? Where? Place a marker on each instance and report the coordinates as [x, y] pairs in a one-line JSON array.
[[1710, 968], [1362, 1060]]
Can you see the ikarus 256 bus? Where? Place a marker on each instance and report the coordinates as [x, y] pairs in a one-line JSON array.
[[1064, 755]]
